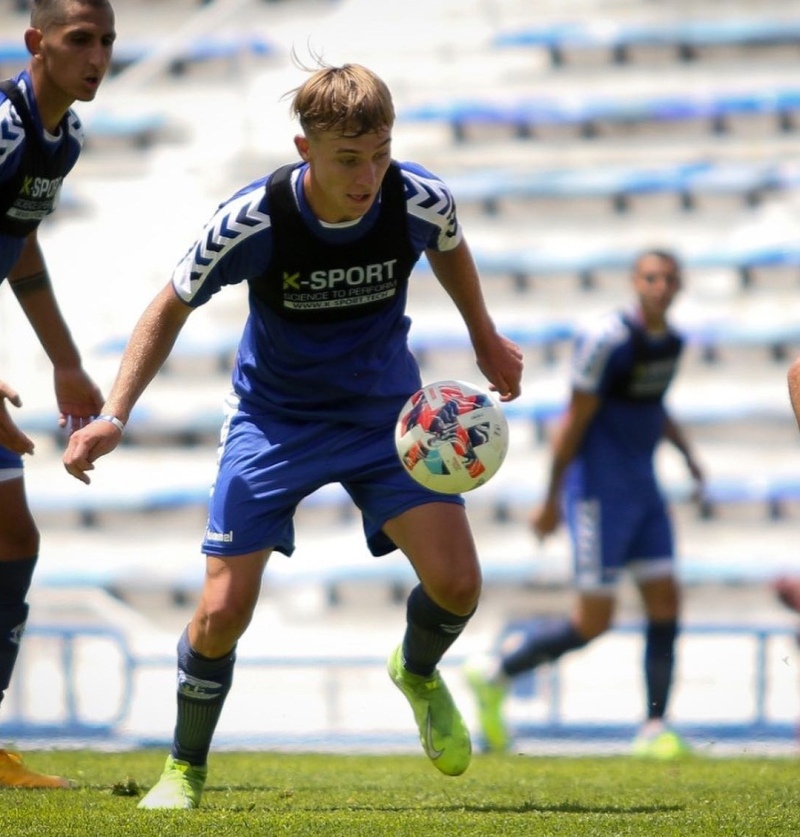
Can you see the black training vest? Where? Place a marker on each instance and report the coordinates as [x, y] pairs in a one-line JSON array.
[[30, 194], [312, 281], [654, 365]]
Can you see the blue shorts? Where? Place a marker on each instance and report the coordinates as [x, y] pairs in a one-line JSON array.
[[610, 532], [9, 459], [268, 465]]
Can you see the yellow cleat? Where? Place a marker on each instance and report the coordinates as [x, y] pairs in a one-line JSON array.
[[489, 698], [14, 774], [664, 745], [179, 787], [443, 734]]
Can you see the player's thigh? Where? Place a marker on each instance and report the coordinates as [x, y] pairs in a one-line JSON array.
[[266, 466], [19, 537], [652, 564], [652, 538], [233, 583], [437, 540], [229, 597], [599, 533]]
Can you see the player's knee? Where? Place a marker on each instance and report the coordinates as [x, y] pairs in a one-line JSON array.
[[223, 623], [591, 627], [19, 539], [590, 632], [15, 581], [460, 595]]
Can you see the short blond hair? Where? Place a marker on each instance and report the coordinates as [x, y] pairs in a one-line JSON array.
[[350, 100]]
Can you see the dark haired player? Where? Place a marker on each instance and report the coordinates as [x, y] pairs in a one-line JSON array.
[[70, 43], [602, 478]]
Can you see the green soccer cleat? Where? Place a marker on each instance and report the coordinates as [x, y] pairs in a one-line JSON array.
[[665, 745], [180, 786], [442, 731], [489, 698]]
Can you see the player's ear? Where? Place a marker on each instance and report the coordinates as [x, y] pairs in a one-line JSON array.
[[33, 40], [301, 144]]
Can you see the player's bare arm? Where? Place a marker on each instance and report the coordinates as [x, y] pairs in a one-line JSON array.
[[675, 434], [794, 388], [150, 344], [498, 358], [572, 429], [77, 396], [31, 285]]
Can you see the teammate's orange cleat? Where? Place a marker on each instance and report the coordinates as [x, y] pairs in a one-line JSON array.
[[14, 774]]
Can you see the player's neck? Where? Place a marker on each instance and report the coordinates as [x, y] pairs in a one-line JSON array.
[[653, 323], [51, 103]]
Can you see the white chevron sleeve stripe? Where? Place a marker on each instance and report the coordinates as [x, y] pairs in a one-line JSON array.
[[430, 200], [233, 224]]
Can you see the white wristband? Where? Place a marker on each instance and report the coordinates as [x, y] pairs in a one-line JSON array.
[[120, 425]]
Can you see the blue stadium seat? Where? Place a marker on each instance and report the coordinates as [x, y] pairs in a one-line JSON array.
[[523, 264], [209, 47], [141, 130], [775, 337], [525, 113], [14, 52], [513, 500], [685, 35], [542, 411], [88, 506], [220, 346], [687, 180]]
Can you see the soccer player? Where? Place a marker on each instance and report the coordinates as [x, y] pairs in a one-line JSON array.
[[602, 477], [70, 43], [326, 246]]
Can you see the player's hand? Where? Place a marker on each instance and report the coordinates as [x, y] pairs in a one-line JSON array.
[[88, 444], [545, 520], [698, 481], [78, 397], [11, 436], [501, 362], [787, 589]]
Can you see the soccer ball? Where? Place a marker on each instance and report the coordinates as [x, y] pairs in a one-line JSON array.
[[451, 436]]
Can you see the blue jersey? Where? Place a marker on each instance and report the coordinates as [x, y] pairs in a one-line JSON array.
[[327, 340], [33, 163], [630, 370]]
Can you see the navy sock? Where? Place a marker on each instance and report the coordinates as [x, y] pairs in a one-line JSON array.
[[15, 580], [430, 631], [659, 661], [203, 685], [544, 646]]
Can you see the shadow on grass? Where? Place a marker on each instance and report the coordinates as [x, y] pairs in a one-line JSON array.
[[522, 808]]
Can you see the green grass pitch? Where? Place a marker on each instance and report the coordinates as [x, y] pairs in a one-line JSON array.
[[261, 793]]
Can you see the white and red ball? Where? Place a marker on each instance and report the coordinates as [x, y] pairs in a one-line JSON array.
[[451, 436]]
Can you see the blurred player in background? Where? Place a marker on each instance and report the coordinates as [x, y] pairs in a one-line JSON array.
[[327, 246], [602, 476], [70, 43]]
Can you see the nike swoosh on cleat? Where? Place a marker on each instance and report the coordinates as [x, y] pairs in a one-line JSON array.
[[432, 752]]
